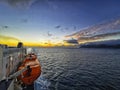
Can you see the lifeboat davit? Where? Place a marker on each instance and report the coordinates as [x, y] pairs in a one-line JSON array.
[[33, 72]]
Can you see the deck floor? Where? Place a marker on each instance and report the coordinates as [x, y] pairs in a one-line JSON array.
[[5, 84], [30, 87]]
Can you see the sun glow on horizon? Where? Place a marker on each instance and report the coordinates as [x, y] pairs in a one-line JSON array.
[[12, 41]]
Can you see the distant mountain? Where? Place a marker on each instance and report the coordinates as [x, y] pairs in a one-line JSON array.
[[99, 31], [108, 42], [103, 44]]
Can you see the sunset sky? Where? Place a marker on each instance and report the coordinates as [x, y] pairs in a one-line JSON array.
[[47, 22]]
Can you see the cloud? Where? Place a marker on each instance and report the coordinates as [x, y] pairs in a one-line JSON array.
[[107, 35], [71, 41], [49, 34], [19, 3], [50, 4], [61, 28], [98, 37], [58, 26], [4, 27], [66, 29], [106, 43], [100, 31]]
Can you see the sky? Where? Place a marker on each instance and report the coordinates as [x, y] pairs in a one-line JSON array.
[[47, 22]]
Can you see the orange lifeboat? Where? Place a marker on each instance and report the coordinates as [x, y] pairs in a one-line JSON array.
[[33, 69]]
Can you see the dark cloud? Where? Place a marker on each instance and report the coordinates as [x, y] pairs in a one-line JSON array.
[[19, 3], [71, 41], [97, 37], [3, 27], [59, 26], [107, 35], [46, 3], [62, 29], [66, 29]]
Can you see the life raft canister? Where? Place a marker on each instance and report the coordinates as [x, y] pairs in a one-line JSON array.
[[33, 72]]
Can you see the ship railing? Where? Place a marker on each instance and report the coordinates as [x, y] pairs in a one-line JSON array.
[[10, 58]]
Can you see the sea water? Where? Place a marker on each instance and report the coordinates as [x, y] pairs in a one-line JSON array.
[[41, 84], [79, 69]]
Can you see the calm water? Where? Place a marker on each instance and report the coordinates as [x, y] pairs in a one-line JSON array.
[[81, 69]]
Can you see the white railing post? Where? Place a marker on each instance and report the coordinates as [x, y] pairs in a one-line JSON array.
[[1, 55]]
